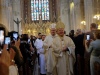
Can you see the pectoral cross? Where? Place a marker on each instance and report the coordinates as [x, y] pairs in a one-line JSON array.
[[17, 22]]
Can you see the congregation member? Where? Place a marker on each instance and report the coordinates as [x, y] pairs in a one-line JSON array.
[[48, 49], [63, 51], [93, 27], [32, 40], [94, 49], [26, 50], [18, 56], [71, 35], [79, 52], [7, 64]]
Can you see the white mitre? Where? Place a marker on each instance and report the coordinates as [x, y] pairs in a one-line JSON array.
[[53, 26]]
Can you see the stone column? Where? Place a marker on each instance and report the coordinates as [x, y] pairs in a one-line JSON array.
[[77, 15], [0, 11], [72, 15], [16, 14], [88, 6], [57, 9], [4, 13], [64, 14], [10, 16]]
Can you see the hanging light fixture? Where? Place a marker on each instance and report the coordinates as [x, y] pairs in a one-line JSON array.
[[99, 26], [83, 22], [97, 17]]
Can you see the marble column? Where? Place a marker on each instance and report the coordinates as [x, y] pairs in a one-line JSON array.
[[88, 6]]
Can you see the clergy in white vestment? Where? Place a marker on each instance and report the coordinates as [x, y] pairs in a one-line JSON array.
[[40, 49], [48, 49], [63, 50]]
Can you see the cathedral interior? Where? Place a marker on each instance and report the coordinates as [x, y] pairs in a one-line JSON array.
[[33, 16]]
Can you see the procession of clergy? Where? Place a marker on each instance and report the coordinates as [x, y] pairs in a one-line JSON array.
[[56, 52], [74, 54]]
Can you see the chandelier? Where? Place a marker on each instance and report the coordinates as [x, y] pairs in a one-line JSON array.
[[99, 27], [97, 17], [83, 23]]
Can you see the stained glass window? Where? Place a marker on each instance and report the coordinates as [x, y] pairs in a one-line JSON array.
[[40, 7]]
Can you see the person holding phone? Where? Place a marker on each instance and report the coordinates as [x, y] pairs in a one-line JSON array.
[[94, 49], [1, 36], [18, 57], [7, 65], [4, 62], [93, 27], [88, 37], [15, 36], [7, 41]]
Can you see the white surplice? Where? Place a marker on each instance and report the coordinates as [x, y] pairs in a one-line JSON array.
[[64, 60], [40, 49]]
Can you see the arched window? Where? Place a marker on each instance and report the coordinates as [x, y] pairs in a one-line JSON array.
[[40, 7]]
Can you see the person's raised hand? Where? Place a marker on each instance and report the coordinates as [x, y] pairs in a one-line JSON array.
[[5, 56], [17, 43], [12, 53], [4, 61]]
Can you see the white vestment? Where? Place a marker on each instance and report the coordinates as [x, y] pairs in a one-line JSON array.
[[64, 60], [48, 53], [40, 49], [38, 44]]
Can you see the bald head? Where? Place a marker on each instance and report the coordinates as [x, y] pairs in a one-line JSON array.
[[78, 31]]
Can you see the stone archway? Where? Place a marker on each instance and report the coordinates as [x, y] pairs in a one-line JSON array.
[[4, 27]]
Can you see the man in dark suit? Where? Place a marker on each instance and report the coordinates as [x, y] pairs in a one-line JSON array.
[[79, 52]]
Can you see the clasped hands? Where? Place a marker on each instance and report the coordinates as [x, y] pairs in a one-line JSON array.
[[64, 49]]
